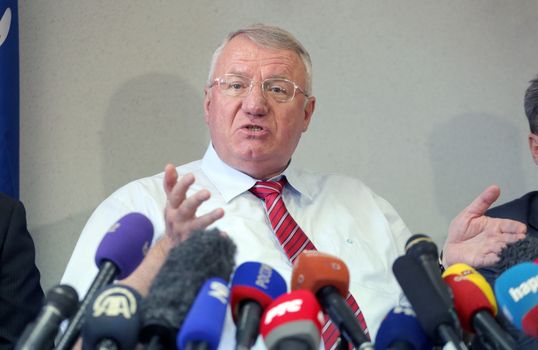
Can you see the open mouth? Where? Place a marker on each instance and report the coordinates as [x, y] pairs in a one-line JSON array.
[[254, 128]]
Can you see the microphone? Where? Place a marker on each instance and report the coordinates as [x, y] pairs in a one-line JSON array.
[[112, 320], [254, 286], [400, 330], [61, 303], [461, 269], [431, 310], [328, 278], [293, 322], [521, 251], [424, 250], [121, 250], [475, 310], [203, 255], [517, 294], [204, 322]]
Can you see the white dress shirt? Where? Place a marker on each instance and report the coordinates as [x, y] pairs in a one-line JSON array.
[[339, 214]]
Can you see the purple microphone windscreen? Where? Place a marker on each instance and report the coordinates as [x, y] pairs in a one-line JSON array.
[[401, 326], [126, 243], [516, 290], [205, 319]]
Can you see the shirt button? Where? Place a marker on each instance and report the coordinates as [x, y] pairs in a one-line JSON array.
[[349, 240]]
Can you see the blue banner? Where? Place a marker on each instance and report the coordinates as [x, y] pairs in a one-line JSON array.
[[9, 98]]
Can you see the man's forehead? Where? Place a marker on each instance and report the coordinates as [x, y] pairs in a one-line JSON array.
[[241, 51]]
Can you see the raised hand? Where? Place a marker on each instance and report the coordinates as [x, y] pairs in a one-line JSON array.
[[476, 239], [180, 211]]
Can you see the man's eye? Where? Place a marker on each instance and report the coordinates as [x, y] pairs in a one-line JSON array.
[[236, 85], [278, 90]]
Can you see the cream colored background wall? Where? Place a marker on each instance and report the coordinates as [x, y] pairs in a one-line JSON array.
[[420, 99]]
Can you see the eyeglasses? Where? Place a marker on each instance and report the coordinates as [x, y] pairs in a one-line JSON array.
[[278, 89]]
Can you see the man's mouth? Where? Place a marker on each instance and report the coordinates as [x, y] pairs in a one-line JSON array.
[[254, 128]]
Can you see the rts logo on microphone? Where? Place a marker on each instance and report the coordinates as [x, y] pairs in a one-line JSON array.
[[114, 302]]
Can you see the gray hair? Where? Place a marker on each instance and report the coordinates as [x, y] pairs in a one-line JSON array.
[[268, 37], [531, 105]]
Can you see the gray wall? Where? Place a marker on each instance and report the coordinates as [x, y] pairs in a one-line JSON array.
[[420, 99]]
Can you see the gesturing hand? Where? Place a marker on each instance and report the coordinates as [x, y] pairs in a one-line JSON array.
[[180, 211], [476, 239]]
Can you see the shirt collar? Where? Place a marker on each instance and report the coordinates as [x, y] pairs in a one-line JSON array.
[[231, 182]]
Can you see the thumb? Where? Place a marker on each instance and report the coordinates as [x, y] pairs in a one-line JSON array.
[[482, 203]]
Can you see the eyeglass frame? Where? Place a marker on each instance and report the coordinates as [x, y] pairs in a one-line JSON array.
[[296, 87]]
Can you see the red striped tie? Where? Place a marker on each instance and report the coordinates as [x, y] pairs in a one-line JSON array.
[[293, 240]]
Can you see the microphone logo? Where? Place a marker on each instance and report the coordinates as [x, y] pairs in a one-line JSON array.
[[282, 308], [114, 227], [219, 291], [264, 276], [404, 310], [114, 302], [526, 287]]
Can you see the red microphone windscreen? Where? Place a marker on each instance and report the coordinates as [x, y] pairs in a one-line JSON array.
[[295, 315], [468, 299]]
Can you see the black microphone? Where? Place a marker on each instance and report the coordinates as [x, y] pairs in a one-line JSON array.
[[62, 302], [205, 254], [112, 320], [424, 250], [119, 253], [432, 312]]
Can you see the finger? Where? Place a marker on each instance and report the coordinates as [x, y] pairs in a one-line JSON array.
[[512, 227], [190, 205], [489, 260], [179, 192], [481, 203], [510, 238], [170, 178], [205, 220]]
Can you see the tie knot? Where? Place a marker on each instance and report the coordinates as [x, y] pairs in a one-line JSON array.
[[263, 189]]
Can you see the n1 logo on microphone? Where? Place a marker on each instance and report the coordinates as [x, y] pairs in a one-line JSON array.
[[219, 291], [115, 301], [282, 309], [526, 287], [264, 276]]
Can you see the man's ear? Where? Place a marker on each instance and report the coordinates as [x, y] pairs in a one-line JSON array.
[[533, 146], [207, 102], [308, 111]]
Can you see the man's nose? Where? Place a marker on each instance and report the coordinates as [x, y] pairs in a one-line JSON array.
[[255, 102]]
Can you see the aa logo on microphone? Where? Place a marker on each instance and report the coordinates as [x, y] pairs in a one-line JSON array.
[[114, 302]]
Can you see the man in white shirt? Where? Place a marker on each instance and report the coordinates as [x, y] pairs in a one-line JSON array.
[[257, 104]]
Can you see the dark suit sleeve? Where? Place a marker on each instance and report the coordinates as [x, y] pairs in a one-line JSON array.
[[21, 295]]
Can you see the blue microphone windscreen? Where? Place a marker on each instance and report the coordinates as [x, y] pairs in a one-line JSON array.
[[205, 319], [401, 324], [126, 243], [516, 290], [258, 282]]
